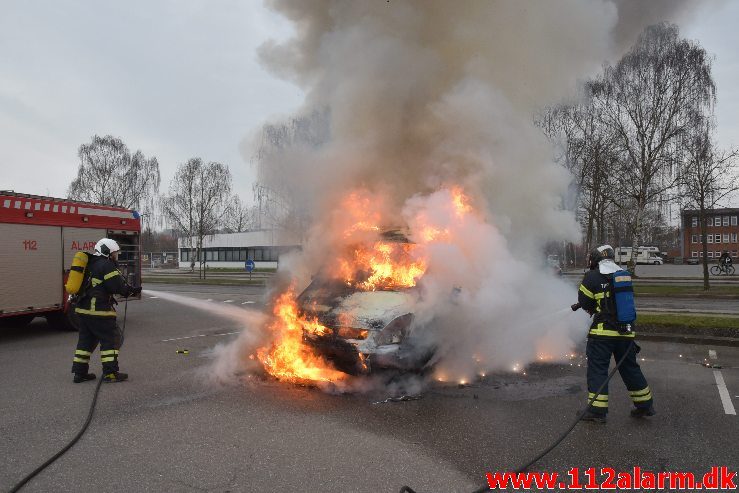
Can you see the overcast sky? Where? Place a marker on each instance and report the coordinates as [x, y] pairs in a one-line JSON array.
[[179, 79]]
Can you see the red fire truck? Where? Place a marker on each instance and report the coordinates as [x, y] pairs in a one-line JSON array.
[[38, 239]]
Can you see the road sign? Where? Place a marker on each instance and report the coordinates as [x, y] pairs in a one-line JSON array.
[[249, 265]]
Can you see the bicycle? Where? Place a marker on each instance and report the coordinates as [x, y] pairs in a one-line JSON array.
[[719, 269]]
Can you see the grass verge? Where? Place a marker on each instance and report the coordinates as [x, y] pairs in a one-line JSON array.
[[691, 290], [671, 320]]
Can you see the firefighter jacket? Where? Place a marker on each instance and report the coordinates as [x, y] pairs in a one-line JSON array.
[[596, 297], [102, 281]]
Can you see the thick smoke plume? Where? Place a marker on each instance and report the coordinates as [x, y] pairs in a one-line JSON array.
[[408, 99]]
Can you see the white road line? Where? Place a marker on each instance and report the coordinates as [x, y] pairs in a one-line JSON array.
[[199, 335], [712, 354], [229, 301], [247, 302], [209, 299], [153, 297], [724, 393]]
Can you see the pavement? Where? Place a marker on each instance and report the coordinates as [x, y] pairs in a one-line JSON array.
[[167, 429], [668, 272]]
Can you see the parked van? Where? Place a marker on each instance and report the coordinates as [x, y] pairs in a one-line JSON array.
[[644, 255]]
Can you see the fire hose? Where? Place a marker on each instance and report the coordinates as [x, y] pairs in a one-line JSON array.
[[79, 434], [538, 457]]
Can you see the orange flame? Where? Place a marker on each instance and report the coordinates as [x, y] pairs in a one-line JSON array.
[[461, 202], [383, 265], [358, 206], [432, 233], [288, 358]]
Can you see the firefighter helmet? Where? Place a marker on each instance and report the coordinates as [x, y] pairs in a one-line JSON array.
[[106, 246], [601, 253]]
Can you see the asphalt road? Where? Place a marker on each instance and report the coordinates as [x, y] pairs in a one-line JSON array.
[[670, 270], [168, 430]]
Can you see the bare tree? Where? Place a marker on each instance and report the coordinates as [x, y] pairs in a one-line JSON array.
[[588, 152], [650, 99], [708, 176], [278, 203], [110, 174], [197, 202], [239, 217]]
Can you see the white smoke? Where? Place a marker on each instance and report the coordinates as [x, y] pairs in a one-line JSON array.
[[484, 308], [235, 358], [418, 95]]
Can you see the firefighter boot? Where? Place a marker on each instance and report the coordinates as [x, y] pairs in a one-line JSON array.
[[589, 415], [116, 376], [640, 412], [83, 377]]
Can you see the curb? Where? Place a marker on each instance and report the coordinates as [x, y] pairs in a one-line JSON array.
[[703, 335], [689, 339], [687, 296]]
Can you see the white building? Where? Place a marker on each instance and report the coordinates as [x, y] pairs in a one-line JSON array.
[[232, 250]]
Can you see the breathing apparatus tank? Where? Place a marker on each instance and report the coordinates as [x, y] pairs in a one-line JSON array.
[[623, 294], [76, 273]]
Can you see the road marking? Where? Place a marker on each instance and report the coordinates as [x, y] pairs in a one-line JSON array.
[[153, 297], [712, 354], [724, 393], [200, 335], [247, 302], [229, 301], [209, 299]]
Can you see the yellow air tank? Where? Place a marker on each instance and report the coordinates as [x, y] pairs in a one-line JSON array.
[[76, 273]]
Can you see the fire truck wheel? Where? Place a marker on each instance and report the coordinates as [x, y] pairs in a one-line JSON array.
[[63, 321], [17, 321]]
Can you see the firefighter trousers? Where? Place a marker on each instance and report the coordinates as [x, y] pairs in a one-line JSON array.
[[94, 330], [599, 351]]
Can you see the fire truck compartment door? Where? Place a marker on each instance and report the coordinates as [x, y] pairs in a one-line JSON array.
[[31, 266], [79, 240]]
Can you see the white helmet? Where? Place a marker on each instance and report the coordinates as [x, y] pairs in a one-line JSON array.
[[106, 246]]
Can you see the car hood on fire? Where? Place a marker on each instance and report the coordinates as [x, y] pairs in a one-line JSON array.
[[371, 310]]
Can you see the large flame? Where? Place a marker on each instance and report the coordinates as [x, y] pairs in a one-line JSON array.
[[383, 265], [367, 262], [288, 358]]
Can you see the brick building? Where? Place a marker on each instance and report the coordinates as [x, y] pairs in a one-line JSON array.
[[721, 234]]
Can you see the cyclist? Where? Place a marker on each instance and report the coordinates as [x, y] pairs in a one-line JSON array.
[[725, 260]]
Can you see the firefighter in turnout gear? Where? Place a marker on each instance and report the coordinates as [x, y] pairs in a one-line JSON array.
[[96, 312], [609, 336]]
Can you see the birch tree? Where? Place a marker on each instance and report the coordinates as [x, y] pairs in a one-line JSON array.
[[707, 178], [651, 99], [197, 202], [109, 174], [239, 217], [588, 152]]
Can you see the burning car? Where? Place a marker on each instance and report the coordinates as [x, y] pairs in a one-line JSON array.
[[357, 315], [366, 318], [366, 330]]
